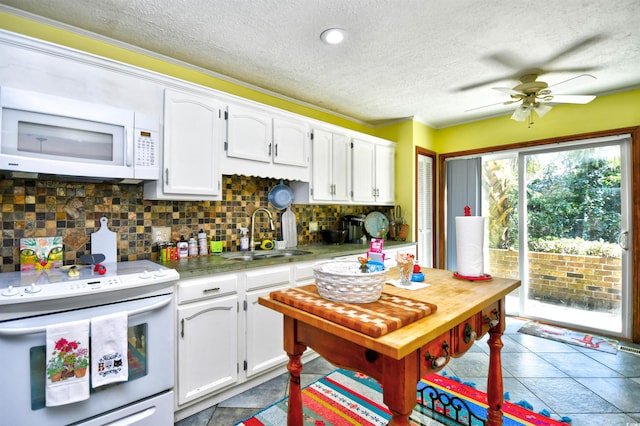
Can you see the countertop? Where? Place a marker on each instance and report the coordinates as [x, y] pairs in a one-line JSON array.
[[193, 267]]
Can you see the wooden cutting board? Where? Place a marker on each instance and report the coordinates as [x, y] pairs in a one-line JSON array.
[[104, 242], [375, 319]]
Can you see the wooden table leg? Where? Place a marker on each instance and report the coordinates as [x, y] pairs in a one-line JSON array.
[[399, 383], [294, 411], [494, 381], [294, 351]]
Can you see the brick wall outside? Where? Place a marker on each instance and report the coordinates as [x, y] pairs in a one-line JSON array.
[[586, 282]]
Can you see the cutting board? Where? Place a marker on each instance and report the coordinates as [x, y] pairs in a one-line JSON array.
[[104, 242], [289, 229], [375, 319]]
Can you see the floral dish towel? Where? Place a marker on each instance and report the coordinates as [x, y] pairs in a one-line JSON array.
[[67, 380]]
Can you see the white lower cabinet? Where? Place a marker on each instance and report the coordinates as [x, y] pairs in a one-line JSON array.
[[264, 326], [225, 338], [207, 341]]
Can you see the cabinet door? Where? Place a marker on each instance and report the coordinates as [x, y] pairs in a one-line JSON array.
[[340, 166], [290, 142], [321, 166], [362, 171], [384, 173], [207, 347], [190, 144], [249, 133], [264, 340]]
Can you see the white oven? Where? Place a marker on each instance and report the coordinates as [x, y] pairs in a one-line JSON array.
[[143, 292]]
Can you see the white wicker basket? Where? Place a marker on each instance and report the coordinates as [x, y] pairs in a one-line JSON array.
[[343, 281]]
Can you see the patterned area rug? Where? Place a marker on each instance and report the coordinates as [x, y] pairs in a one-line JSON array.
[[348, 398], [571, 337]]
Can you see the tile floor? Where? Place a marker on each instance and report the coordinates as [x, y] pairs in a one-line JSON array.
[[589, 386]]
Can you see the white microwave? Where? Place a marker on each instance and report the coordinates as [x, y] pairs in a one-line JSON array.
[[51, 135]]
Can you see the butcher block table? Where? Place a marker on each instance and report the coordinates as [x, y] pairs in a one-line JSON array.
[[464, 311]]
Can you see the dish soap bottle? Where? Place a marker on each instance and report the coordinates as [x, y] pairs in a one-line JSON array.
[[244, 240]]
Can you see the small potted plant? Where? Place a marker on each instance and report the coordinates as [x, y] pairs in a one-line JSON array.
[[82, 362], [55, 366]]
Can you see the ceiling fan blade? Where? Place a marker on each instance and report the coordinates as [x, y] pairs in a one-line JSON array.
[[484, 106], [581, 78], [572, 99], [490, 105], [509, 91]]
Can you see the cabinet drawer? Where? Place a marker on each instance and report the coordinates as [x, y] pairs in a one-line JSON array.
[[489, 315], [435, 354], [267, 277], [464, 334], [206, 288], [303, 272]]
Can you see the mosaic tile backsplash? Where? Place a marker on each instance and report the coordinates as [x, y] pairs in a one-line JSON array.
[[40, 208]]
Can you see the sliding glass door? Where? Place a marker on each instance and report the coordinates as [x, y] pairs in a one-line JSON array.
[[558, 219]]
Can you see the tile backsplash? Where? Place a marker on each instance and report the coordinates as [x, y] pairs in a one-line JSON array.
[[72, 210]]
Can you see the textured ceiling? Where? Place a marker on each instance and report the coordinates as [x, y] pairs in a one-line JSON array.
[[428, 59]]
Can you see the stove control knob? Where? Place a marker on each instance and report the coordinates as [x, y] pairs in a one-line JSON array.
[[160, 273], [10, 291], [32, 289], [145, 275]]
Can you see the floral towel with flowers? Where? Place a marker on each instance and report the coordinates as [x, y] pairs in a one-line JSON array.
[[109, 362], [67, 361]]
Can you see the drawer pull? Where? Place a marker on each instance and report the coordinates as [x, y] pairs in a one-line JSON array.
[[441, 360], [493, 321], [211, 290], [469, 333]]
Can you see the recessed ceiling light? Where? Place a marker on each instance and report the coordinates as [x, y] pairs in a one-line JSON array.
[[333, 36]]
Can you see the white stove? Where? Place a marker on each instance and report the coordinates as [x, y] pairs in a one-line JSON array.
[[33, 301], [28, 293]]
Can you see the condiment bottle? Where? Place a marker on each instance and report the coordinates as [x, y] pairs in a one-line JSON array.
[[193, 247], [183, 248], [202, 243]]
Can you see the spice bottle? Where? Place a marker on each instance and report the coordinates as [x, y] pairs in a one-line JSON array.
[[183, 248]]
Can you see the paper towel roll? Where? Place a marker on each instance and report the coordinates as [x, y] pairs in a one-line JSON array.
[[470, 245]]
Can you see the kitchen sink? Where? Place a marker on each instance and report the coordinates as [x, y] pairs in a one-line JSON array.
[[264, 254]]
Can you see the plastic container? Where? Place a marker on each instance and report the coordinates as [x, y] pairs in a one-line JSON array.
[[183, 248], [202, 243], [193, 247], [244, 240]]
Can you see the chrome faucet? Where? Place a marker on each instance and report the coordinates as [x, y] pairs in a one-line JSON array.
[[253, 219]]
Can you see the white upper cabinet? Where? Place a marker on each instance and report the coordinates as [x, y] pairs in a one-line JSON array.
[[330, 166], [249, 133], [290, 142], [372, 172], [276, 146], [193, 131]]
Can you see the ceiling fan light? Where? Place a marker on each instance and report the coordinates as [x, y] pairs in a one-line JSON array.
[[521, 113], [541, 109]]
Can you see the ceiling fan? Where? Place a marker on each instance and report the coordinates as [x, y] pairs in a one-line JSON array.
[[538, 96]]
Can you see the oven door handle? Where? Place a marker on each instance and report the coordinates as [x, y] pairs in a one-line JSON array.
[[34, 330]]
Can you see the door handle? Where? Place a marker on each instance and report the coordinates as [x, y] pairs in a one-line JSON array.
[[623, 240]]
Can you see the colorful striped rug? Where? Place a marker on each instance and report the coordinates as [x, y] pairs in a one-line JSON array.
[[348, 398]]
